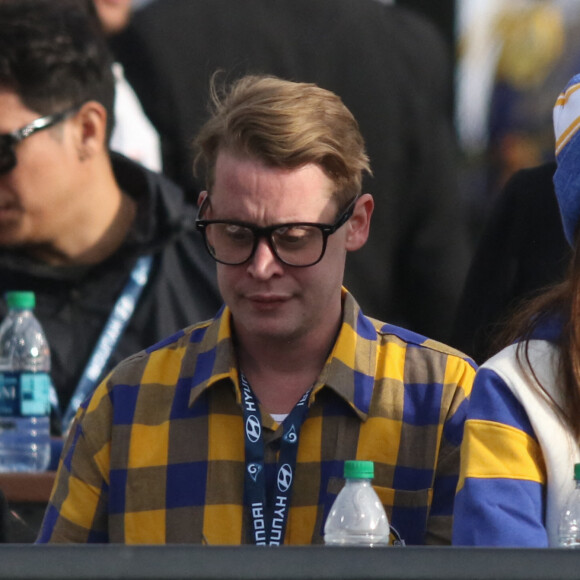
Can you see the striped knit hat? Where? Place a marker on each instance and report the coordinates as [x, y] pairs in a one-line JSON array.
[[567, 176]]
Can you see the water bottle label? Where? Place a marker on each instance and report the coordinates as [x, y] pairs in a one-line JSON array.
[[24, 394]]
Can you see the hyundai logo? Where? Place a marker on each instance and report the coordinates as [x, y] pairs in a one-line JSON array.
[[253, 428], [284, 478]]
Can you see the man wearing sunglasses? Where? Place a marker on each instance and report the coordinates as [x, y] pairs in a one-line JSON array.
[[83, 228], [236, 430]]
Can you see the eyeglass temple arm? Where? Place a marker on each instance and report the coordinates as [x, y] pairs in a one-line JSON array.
[[37, 124]]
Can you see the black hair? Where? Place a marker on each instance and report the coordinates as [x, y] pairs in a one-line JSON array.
[[54, 55]]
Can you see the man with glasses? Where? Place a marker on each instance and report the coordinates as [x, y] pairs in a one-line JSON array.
[[236, 430], [85, 229]]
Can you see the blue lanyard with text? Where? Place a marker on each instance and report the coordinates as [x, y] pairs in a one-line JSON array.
[[269, 518], [118, 319]]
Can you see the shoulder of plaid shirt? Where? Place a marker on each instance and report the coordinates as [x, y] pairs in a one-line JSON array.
[[517, 455], [157, 454]]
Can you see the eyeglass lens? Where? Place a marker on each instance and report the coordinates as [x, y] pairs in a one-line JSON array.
[[296, 245]]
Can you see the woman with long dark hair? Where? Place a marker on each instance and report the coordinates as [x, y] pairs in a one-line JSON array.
[[522, 435]]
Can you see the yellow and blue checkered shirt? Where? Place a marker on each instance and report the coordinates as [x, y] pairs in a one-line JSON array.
[[157, 454]]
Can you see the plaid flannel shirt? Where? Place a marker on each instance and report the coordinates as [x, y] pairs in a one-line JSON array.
[[157, 454]]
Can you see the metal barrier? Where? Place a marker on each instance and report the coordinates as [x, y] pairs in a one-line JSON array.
[[177, 562]]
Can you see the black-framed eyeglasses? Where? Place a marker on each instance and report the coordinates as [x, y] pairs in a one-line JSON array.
[[8, 159], [299, 244]]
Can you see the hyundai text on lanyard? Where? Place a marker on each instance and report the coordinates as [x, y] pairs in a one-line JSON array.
[[269, 518]]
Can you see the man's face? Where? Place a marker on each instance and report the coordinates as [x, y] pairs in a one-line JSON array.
[[113, 14], [270, 300], [39, 193]]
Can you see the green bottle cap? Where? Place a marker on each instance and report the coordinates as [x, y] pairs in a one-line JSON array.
[[359, 469], [577, 471], [20, 300]]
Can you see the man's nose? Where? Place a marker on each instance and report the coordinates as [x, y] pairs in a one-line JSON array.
[[264, 262]]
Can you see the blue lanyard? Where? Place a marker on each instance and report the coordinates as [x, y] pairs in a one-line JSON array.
[[118, 319], [269, 518]]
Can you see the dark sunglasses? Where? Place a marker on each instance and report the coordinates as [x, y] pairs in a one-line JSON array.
[[8, 158]]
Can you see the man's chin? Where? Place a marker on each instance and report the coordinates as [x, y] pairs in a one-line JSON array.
[[273, 332], [11, 238]]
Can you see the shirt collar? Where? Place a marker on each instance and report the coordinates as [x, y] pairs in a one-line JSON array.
[[349, 370], [351, 365], [218, 354]]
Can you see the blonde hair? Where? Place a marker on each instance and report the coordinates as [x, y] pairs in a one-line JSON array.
[[284, 124]]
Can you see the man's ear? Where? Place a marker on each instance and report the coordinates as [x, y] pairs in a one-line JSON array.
[[90, 129], [202, 203], [358, 226], [201, 198]]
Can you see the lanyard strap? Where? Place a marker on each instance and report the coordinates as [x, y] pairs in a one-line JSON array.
[[118, 319], [269, 517]]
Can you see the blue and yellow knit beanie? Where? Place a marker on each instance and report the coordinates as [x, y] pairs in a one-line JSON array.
[[567, 175]]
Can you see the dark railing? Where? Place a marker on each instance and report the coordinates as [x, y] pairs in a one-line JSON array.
[[27, 495], [176, 562]]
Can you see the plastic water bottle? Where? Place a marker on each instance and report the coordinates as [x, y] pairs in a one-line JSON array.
[[569, 531], [357, 516], [24, 388]]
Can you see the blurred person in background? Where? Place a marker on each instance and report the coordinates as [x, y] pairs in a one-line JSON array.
[[521, 252], [114, 14], [513, 59], [133, 134]]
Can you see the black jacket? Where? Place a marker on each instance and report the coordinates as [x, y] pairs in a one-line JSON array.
[[521, 252], [73, 304]]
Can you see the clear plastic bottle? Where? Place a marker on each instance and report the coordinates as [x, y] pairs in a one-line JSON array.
[[24, 388], [569, 531], [357, 516]]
